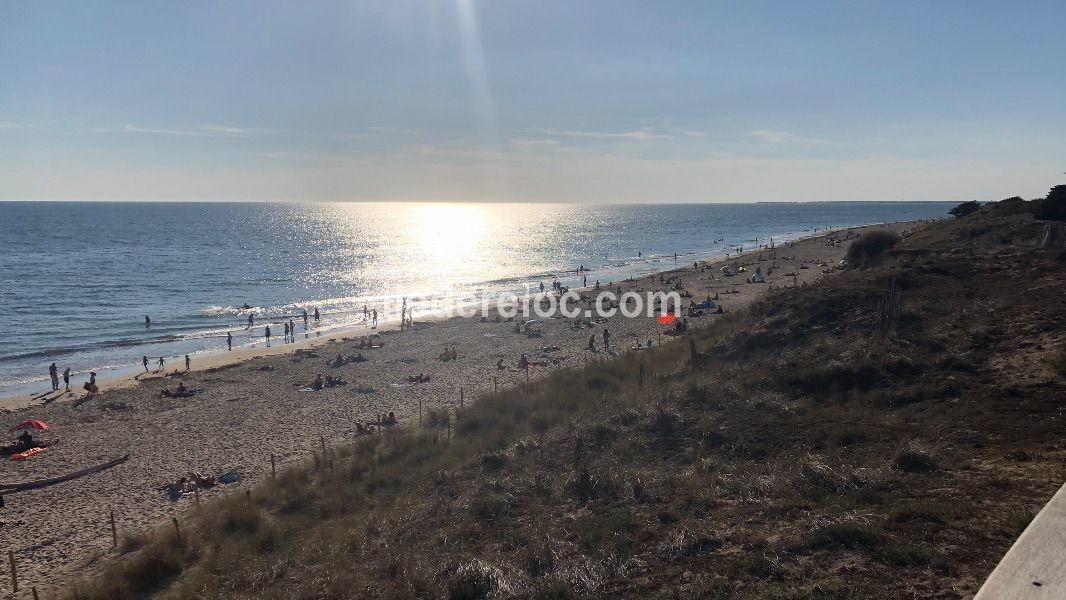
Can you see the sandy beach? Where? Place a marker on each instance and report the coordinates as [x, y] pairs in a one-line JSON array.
[[250, 406]]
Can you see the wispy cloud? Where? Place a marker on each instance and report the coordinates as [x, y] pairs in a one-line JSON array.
[[198, 131], [12, 125], [778, 136], [645, 133]]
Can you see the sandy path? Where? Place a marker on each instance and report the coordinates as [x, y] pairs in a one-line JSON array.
[[252, 409]]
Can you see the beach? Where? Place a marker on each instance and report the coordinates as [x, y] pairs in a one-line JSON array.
[[250, 407]]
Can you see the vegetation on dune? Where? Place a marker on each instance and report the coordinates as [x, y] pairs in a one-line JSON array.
[[1053, 207], [870, 247], [965, 208], [805, 454]]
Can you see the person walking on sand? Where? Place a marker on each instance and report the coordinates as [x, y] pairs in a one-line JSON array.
[[229, 341], [317, 316], [53, 373], [66, 378], [606, 340], [188, 363], [162, 364], [144, 361]]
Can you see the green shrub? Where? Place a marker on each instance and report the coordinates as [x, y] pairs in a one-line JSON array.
[[1053, 207], [965, 208], [869, 248]]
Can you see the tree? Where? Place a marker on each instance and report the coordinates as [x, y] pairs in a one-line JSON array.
[[1053, 207], [965, 208]]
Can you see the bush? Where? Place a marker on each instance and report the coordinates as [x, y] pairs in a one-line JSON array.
[[965, 208], [869, 247], [915, 461], [1053, 207]]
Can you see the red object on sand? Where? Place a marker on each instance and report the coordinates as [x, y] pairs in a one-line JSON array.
[[27, 454], [666, 319], [32, 424]]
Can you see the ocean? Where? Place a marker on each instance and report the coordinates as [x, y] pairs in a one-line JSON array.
[[78, 278]]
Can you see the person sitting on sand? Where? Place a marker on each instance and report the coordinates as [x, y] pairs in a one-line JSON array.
[[390, 420], [445, 356], [24, 441], [316, 385], [90, 386]]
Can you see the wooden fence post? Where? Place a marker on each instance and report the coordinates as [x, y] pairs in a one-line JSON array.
[[460, 396], [177, 530], [419, 411], [495, 385], [34, 590], [273, 467], [14, 572], [114, 531]]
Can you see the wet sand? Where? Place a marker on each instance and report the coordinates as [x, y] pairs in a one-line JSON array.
[[250, 406]]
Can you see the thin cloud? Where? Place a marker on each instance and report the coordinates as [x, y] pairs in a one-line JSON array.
[[199, 131], [639, 134], [12, 125], [777, 136]]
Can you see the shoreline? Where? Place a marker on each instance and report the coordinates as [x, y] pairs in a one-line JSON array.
[[215, 359]]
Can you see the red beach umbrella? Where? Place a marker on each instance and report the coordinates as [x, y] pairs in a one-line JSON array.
[[31, 424], [666, 319]]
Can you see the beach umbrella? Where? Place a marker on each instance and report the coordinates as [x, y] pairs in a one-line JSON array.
[[31, 424], [666, 319]]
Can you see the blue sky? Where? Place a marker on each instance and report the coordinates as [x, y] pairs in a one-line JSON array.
[[531, 100]]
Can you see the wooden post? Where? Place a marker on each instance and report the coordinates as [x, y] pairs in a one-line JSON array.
[[460, 396], [527, 374], [34, 590], [449, 427], [586, 360], [660, 338], [114, 531], [14, 572], [322, 442], [640, 376], [419, 411], [495, 385], [177, 530], [248, 495], [273, 467]]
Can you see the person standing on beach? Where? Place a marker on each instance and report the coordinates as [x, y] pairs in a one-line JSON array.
[[305, 318], [316, 314], [162, 363], [286, 332], [292, 330], [267, 332], [188, 363], [251, 320], [592, 343], [53, 373], [144, 361], [606, 340], [375, 317], [66, 378], [229, 343]]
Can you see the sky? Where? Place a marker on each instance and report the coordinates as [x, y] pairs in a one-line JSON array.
[[531, 100]]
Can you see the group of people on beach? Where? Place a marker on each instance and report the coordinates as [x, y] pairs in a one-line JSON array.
[[53, 373]]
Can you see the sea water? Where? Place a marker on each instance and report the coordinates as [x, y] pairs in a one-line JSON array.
[[78, 278]]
